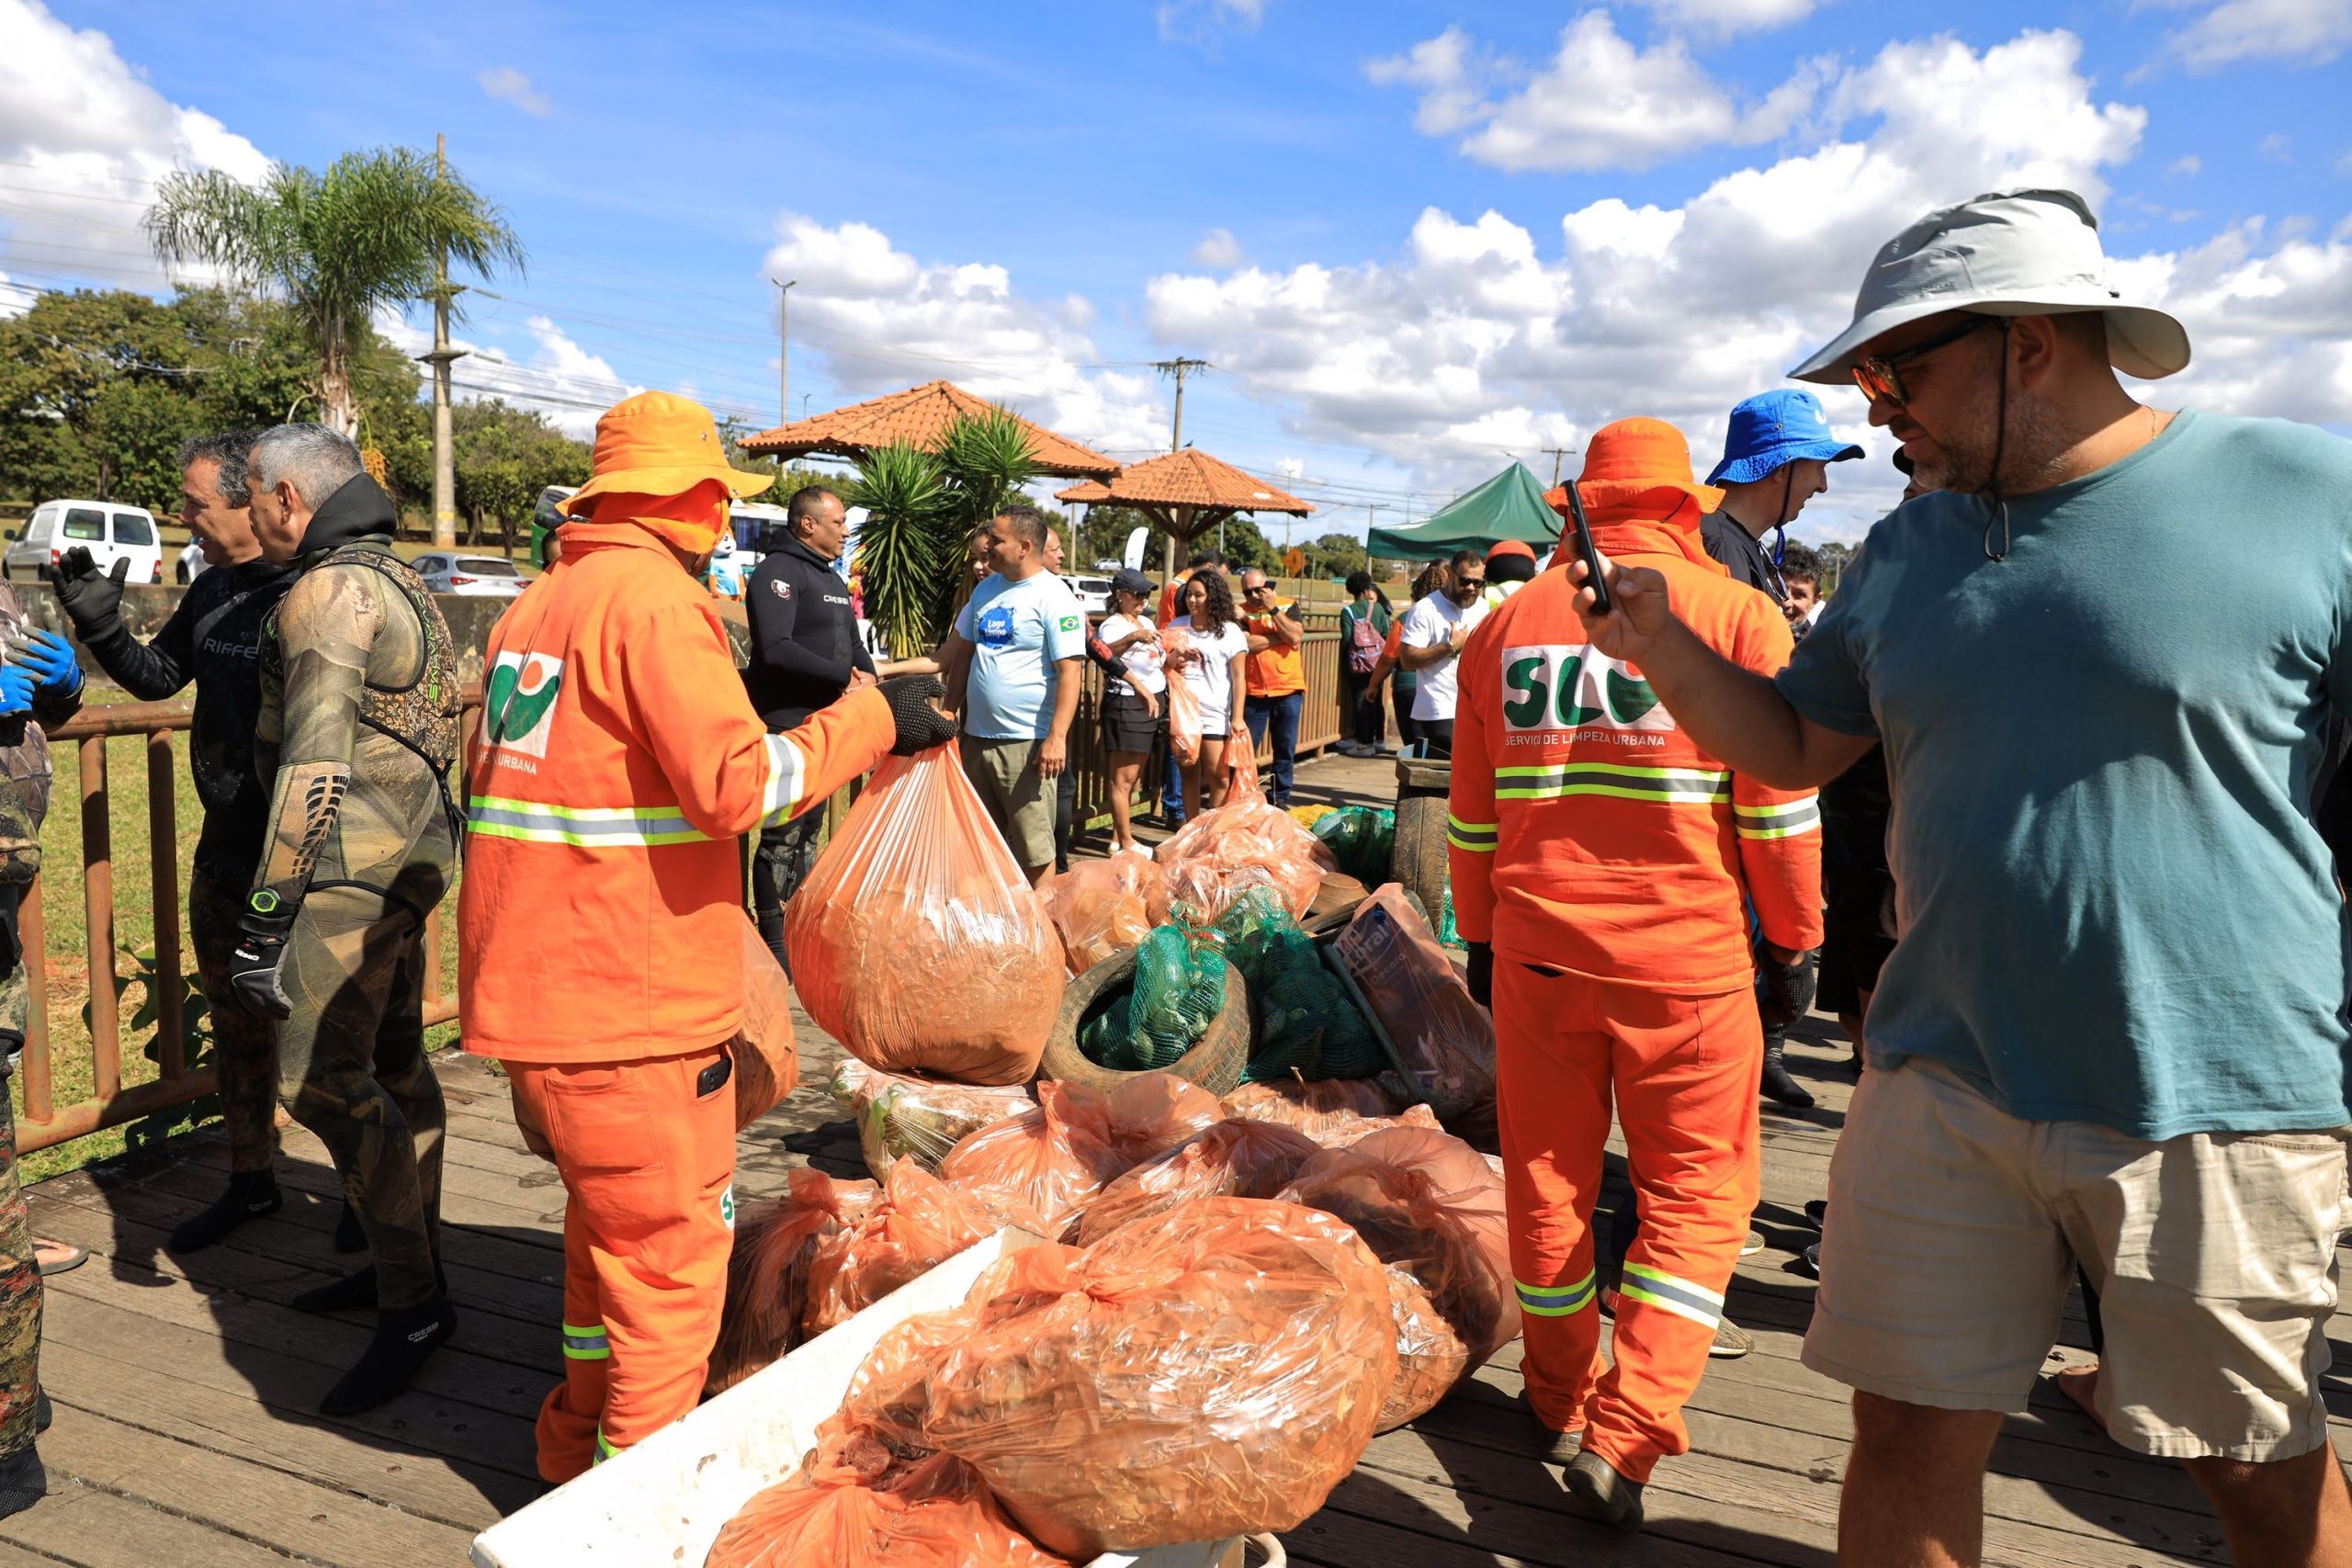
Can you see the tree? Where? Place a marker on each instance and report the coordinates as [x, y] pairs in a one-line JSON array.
[[922, 509], [504, 458], [1334, 555], [336, 246], [1835, 558]]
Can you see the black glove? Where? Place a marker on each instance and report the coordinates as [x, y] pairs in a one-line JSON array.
[[89, 597], [260, 949], [1784, 991], [913, 701], [1482, 974]]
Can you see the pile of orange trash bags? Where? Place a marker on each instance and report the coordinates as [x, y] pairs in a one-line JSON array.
[[1429, 1207], [1231, 1159], [918, 1222], [768, 1272], [1334, 1113], [1101, 908], [854, 1504], [1210, 1371], [1221, 854], [901, 1116], [1042, 1169], [917, 943]]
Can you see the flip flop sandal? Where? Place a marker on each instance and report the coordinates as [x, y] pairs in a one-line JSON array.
[[58, 1256]]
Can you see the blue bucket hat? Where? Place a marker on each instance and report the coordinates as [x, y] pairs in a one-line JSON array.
[[1772, 429]]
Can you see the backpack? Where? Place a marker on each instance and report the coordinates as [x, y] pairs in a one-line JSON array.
[[1364, 643]]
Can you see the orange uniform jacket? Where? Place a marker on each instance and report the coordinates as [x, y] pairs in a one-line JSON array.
[[620, 761], [1589, 833]]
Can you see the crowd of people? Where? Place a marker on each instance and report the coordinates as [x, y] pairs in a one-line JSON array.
[[2048, 847]]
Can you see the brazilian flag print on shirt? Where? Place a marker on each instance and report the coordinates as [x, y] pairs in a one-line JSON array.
[[1019, 631]]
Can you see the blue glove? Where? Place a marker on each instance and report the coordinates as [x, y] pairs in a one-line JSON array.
[[15, 690], [49, 659]]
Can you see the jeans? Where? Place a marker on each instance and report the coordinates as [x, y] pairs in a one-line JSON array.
[[1360, 710], [1437, 736], [1281, 712], [1065, 815], [1171, 790], [1409, 728]]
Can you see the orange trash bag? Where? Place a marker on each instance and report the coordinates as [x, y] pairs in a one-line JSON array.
[[1210, 1371], [852, 1505], [1221, 853], [1431, 1207], [768, 1272], [917, 943], [1335, 1113], [1422, 1001], [1184, 702], [1100, 907], [767, 1065], [1232, 1160], [900, 1116], [1040, 1169], [920, 1221]]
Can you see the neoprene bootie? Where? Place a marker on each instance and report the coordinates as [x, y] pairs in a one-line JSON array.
[[404, 1342], [249, 1195], [1777, 1087]]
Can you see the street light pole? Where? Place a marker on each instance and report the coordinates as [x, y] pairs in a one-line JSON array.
[[784, 348], [445, 467]]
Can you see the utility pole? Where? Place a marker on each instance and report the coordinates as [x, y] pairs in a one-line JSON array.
[[1178, 368], [784, 348], [1558, 455], [445, 467]]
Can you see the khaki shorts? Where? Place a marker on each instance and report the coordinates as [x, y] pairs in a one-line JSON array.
[[1020, 802], [1954, 1227]]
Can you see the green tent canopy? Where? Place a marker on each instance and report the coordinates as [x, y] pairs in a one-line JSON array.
[[1508, 506]]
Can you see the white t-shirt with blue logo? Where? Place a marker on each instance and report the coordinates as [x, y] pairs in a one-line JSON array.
[[1018, 632]]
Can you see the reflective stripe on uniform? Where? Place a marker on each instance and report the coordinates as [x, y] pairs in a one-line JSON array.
[[1554, 1300], [1478, 838], [584, 827], [1647, 1285], [1786, 820], [587, 1344], [605, 1451], [1699, 787], [780, 802]]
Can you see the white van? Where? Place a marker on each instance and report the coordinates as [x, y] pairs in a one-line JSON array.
[[109, 529]]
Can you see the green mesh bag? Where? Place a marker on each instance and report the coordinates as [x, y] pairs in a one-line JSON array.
[[1178, 990], [1307, 1024], [1448, 933], [1362, 839], [1252, 928]]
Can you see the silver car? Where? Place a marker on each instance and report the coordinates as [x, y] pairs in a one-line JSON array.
[[492, 577]]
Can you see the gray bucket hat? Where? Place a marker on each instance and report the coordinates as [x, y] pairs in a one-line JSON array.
[[2008, 252]]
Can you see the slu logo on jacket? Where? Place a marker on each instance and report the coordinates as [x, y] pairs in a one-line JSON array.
[[518, 701], [1558, 686]]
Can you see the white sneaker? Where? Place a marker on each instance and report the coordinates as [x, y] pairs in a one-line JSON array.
[[1138, 847]]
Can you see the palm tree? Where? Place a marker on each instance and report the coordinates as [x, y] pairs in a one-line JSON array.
[[922, 509], [336, 245]]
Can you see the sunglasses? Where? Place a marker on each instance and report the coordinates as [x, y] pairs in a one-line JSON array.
[[1469, 584], [1878, 377]]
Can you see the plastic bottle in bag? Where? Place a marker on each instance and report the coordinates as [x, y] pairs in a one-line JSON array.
[[1221, 853], [1232, 1160], [1335, 1113], [1210, 1370], [918, 1222], [1039, 1170], [1100, 906], [853, 1505], [917, 943], [768, 1272], [900, 1116]]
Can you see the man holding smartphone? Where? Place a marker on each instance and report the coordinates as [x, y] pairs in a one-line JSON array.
[[1277, 677]]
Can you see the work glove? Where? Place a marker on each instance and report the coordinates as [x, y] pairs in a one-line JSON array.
[[15, 690], [1784, 991], [914, 709], [49, 659], [90, 598], [260, 952], [1482, 974]]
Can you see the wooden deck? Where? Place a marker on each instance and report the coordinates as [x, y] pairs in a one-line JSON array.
[[185, 1391]]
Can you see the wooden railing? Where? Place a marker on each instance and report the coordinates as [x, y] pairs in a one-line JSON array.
[[109, 1104]]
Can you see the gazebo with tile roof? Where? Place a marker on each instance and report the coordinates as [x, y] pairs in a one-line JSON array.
[[918, 417], [1187, 492]]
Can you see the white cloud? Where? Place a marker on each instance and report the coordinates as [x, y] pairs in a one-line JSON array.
[[1219, 249], [560, 379], [1727, 18], [2296, 32], [1206, 21], [883, 321], [2276, 148], [1601, 104], [2186, 167], [85, 139], [1482, 339], [509, 86]]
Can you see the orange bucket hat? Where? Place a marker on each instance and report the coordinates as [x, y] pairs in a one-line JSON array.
[[1636, 458], [659, 444]]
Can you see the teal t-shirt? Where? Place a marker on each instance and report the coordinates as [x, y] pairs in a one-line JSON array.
[[2113, 906]]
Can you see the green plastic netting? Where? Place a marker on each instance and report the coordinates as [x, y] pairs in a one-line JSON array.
[[1362, 839], [1177, 992], [1307, 1024]]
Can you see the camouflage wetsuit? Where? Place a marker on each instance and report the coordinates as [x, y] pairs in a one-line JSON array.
[[358, 726], [24, 802]]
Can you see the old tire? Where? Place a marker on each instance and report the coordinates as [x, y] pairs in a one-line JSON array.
[[1215, 1063], [1420, 856]]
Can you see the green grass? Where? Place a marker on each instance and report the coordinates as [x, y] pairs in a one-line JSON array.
[[66, 936]]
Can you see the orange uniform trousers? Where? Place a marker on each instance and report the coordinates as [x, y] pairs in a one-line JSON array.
[[1683, 1072], [648, 1171]]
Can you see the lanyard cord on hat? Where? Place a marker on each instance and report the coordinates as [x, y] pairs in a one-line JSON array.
[[2000, 512]]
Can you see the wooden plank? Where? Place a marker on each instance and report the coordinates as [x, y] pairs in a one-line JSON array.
[[91, 1529], [243, 1498]]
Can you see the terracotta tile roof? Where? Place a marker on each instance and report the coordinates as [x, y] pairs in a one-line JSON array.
[[1189, 477], [919, 417]]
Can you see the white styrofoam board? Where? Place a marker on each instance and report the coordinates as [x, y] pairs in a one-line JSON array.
[[660, 1504]]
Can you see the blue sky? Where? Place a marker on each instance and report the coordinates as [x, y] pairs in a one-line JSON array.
[[1030, 199]]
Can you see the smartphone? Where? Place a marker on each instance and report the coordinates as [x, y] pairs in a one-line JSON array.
[[1590, 551]]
